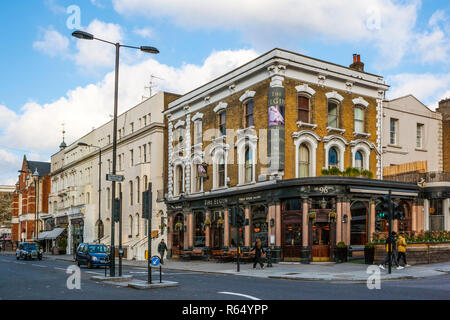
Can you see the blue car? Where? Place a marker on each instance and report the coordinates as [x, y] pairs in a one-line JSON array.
[[92, 255]]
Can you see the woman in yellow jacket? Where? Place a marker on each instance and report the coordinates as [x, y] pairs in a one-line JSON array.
[[401, 248]]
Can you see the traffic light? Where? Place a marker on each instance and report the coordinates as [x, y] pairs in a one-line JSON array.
[[116, 209], [397, 211], [146, 204], [383, 208]]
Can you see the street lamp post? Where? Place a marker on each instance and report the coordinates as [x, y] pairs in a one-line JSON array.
[[82, 144], [36, 200], [87, 36]]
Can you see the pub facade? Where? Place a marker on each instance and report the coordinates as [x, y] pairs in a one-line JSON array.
[[291, 141]]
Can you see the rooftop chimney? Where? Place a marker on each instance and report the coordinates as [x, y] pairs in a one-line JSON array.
[[357, 64]]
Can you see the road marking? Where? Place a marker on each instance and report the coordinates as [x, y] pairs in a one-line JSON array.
[[97, 273], [59, 268], [19, 262], [240, 294], [39, 265]]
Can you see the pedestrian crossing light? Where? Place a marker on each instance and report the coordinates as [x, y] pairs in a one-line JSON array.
[[383, 208]]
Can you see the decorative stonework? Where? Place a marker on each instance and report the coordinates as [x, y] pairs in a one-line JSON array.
[[360, 102], [246, 95], [197, 116], [334, 95], [221, 106], [305, 89]]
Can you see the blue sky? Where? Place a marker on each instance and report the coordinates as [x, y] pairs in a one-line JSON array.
[[50, 77]]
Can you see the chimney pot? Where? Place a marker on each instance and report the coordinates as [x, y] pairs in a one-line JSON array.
[[358, 58], [354, 57]]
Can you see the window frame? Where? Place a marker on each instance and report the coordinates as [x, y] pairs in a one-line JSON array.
[[308, 110], [362, 121], [248, 115], [337, 103]]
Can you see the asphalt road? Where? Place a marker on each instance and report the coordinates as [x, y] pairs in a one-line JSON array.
[[46, 280]]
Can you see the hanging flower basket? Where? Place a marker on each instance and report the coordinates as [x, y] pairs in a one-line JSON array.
[[312, 215], [207, 222], [331, 216], [178, 226], [220, 221]]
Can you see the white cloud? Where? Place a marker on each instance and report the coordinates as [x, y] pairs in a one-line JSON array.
[[52, 43], [98, 3], [9, 164], [387, 25], [93, 54], [144, 32], [85, 107], [428, 88]]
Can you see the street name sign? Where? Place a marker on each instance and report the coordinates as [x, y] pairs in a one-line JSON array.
[[114, 177]]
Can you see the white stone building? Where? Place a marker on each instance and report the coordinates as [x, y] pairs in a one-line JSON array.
[[74, 199]]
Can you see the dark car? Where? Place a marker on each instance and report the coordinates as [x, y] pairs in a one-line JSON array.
[[92, 255], [28, 251]]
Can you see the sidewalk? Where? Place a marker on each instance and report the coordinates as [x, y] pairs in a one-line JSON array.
[[325, 271]]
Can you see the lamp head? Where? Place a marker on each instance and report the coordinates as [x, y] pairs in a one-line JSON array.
[[82, 35]]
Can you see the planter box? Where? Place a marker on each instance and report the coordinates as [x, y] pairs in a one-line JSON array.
[[418, 253], [369, 254]]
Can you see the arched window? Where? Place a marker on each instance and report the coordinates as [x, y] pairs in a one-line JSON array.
[[359, 120], [303, 109], [303, 161], [222, 123], [248, 165], [333, 114], [138, 225], [145, 183], [248, 111], [131, 192], [131, 225], [138, 189], [333, 160], [359, 160], [108, 198], [221, 171], [179, 180]]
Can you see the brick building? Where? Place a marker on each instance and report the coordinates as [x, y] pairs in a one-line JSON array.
[[264, 138], [24, 199], [444, 109]]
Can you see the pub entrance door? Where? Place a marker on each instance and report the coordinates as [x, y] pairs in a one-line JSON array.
[[178, 235], [291, 235], [321, 241]]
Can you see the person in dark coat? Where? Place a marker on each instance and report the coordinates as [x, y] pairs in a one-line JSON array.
[[162, 248], [391, 240], [258, 254]]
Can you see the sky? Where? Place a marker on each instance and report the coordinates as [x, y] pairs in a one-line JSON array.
[[50, 78]]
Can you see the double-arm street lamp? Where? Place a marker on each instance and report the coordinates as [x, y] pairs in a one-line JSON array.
[[82, 144], [87, 36]]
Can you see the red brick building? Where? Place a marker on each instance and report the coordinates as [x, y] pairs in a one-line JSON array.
[[24, 199]]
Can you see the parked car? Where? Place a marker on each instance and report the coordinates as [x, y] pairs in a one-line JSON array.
[[92, 255], [28, 251]]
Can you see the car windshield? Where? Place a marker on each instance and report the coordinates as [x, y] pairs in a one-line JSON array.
[[30, 246], [97, 249]]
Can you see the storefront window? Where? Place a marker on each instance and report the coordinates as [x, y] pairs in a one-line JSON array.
[[293, 204], [436, 215], [259, 227], [199, 232]]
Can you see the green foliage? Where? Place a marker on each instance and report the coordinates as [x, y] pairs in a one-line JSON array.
[[334, 171], [62, 243], [349, 172], [341, 245], [368, 245]]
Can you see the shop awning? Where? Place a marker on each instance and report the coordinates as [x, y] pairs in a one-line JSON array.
[[49, 235]]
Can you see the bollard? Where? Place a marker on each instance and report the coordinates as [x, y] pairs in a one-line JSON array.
[[269, 258]]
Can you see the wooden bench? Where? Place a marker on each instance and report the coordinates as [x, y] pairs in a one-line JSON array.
[[196, 253]]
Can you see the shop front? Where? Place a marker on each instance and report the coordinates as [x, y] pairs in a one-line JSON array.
[[299, 219]]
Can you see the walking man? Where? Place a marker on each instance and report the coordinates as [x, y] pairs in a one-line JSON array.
[[391, 241], [162, 248], [258, 253]]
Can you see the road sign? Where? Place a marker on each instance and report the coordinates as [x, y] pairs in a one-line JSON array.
[[155, 261], [114, 177]]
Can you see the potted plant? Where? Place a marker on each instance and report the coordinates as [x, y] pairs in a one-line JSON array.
[[341, 252], [312, 216], [369, 253], [62, 245]]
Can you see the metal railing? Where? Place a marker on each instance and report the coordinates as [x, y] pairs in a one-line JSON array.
[[415, 177]]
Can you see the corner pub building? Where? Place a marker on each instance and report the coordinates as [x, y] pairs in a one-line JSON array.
[[259, 138]]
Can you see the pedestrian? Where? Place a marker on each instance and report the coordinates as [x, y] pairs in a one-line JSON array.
[[401, 248], [162, 248], [391, 241], [258, 254]]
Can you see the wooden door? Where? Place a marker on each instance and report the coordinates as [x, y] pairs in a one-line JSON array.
[[321, 241], [292, 241]]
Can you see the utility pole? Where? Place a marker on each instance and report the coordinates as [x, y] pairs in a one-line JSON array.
[[390, 231]]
